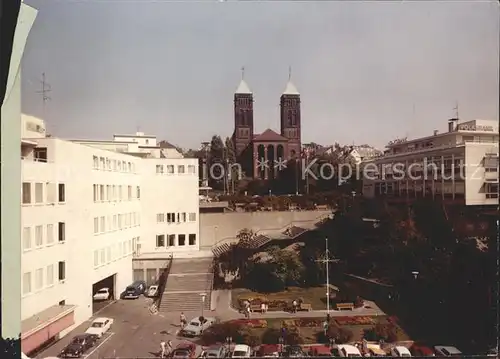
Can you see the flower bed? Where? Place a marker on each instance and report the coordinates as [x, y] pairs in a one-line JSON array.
[[358, 320], [251, 323]]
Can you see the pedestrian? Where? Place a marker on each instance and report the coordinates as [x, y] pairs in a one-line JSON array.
[[163, 348], [183, 320], [248, 313], [170, 347], [295, 304], [263, 307]]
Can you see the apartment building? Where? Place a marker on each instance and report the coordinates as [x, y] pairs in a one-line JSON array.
[[460, 164], [87, 210]]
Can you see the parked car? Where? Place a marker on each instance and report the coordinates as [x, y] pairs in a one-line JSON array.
[[102, 294], [294, 351], [447, 351], [78, 345], [346, 351], [153, 291], [418, 350], [216, 351], [400, 351], [196, 326], [99, 326], [269, 351], [184, 350], [321, 351], [241, 351], [375, 350], [134, 290], [493, 352]]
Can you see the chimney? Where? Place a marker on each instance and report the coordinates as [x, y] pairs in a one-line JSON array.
[[435, 132], [452, 124]]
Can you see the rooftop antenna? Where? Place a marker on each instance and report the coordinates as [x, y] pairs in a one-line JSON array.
[[242, 73], [289, 73], [456, 110], [44, 92]]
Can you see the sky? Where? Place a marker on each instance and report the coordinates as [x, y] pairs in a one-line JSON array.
[[368, 72]]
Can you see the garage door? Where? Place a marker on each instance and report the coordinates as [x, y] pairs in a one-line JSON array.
[[138, 274]]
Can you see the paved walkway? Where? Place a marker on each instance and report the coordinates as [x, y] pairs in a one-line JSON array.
[[225, 312]]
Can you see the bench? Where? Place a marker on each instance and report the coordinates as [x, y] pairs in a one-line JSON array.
[[305, 307], [342, 306]]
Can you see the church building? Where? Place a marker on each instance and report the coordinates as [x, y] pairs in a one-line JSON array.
[[263, 155]]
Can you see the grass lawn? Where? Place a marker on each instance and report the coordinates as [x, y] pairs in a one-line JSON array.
[[316, 296]]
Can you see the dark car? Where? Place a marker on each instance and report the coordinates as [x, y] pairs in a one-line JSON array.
[[184, 350], [294, 351], [134, 290], [78, 345]]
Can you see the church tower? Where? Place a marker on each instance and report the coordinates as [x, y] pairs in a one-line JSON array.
[[290, 117], [243, 116]]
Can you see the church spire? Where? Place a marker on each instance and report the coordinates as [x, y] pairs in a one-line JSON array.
[[290, 87], [243, 87]]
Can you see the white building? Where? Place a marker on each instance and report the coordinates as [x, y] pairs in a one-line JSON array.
[[364, 153], [460, 164], [89, 208]]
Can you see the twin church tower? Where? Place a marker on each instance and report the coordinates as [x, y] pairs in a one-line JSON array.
[[260, 154]]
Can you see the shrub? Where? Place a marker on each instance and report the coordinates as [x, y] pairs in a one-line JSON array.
[[293, 337], [271, 336], [341, 335], [218, 333], [388, 332]]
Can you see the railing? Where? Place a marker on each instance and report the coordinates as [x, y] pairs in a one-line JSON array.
[[163, 279]]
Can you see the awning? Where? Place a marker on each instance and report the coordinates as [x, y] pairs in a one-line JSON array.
[[45, 325]]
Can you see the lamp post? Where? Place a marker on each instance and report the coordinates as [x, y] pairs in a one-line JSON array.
[[281, 341], [203, 297], [228, 342], [327, 260]]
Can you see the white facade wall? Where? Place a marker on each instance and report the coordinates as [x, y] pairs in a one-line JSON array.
[[170, 205], [73, 166]]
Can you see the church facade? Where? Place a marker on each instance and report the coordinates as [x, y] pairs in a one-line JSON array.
[[263, 155]]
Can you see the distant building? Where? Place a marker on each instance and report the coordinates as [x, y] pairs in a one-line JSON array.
[[459, 165], [268, 147], [364, 153]]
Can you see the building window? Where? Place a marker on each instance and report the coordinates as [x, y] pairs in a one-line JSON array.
[[129, 167], [61, 193], [96, 162], [101, 192], [192, 239], [103, 224], [61, 232], [182, 239], [103, 256], [138, 192], [50, 275], [40, 154], [113, 196], [102, 163], [170, 217], [171, 240], [114, 165], [108, 193], [26, 193], [96, 225], [39, 236], [27, 283], [119, 221], [38, 192], [108, 164], [96, 196], [50, 233], [191, 169], [115, 222], [192, 217], [119, 166], [160, 240], [96, 258], [170, 169], [180, 169], [129, 192], [51, 192], [108, 254], [62, 270], [39, 279], [183, 217], [26, 238], [160, 217], [159, 169]]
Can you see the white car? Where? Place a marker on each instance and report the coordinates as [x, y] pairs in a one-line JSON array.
[[153, 291], [99, 326], [347, 351], [196, 327], [400, 351], [241, 351], [446, 351], [102, 294]]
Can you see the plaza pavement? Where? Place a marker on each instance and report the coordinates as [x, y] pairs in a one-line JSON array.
[[138, 333]]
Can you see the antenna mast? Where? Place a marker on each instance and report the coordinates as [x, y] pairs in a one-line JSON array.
[[456, 110], [46, 89]]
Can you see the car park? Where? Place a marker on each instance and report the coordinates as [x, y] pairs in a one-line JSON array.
[[348, 351], [184, 350], [134, 290], [447, 351], [241, 351], [102, 294], [196, 326], [99, 327], [400, 351], [78, 346]]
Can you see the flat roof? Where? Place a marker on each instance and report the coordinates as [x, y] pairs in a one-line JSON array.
[[43, 318], [137, 136]]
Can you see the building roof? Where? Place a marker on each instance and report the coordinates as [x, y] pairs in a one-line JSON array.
[[291, 89], [269, 136], [243, 88], [166, 144]]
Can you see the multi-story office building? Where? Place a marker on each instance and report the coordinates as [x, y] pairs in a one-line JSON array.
[[460, 164], [89, 208]]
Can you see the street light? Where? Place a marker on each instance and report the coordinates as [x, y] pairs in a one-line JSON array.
[[203, 297], [327, 260], [415, 274], [228, 342], [281, 341]]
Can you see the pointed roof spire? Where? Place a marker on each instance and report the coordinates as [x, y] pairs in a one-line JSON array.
[[243, 87], [290, 87]]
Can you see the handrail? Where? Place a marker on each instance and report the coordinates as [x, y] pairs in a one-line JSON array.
[[165, 272]]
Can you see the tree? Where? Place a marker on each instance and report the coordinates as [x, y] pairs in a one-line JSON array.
[[218, 333], [233, 170], [216, 158]]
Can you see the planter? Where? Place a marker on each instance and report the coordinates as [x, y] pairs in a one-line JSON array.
[[358, 320]]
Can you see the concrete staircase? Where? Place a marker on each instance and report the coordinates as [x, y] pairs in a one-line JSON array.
[[188, 279]]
